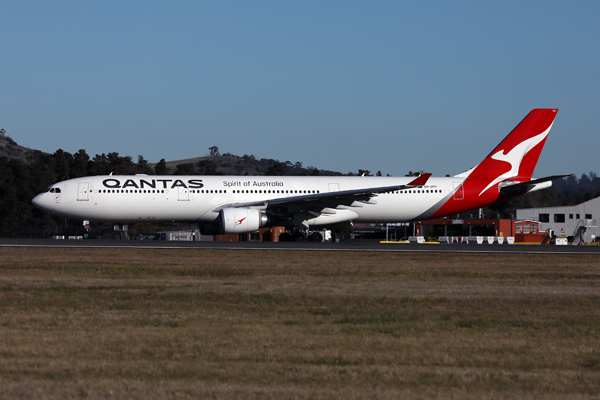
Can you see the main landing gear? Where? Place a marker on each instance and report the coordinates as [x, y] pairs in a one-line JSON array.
[[301, 235]]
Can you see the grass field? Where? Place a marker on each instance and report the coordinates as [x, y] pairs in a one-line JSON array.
[[95, 323]]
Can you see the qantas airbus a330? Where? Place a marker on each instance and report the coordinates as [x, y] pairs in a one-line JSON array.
[[241, 204]]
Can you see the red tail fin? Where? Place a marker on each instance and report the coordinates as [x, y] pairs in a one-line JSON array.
[[516, 156]]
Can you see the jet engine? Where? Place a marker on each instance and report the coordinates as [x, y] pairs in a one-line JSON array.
[[242, 220]]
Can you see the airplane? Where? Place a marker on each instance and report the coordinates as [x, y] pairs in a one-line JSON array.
[[243, 204]]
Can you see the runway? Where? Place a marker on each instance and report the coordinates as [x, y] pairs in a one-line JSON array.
[[303, 246]]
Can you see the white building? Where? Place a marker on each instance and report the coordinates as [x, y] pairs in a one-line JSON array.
[[567, 220]]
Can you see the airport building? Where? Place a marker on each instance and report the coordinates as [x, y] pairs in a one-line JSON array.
[[579, 223]]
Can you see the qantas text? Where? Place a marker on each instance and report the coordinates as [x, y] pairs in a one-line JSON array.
[[153, 183]]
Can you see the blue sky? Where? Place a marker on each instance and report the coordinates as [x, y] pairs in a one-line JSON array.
[[341, 85]]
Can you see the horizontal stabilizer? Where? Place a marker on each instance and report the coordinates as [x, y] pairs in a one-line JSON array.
[[509, 188]]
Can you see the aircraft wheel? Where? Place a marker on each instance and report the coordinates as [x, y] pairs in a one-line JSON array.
[[300, 237], [315, 237]]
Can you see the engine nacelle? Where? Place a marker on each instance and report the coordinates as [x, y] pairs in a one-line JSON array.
[[242, 220]]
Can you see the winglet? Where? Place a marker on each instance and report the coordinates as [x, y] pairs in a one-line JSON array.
[[420, 181]]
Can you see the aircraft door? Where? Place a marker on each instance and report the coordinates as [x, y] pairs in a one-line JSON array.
[[83, 191], [184, 193]]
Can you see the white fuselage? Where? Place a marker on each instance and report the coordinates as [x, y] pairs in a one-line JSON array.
[[136, 198]]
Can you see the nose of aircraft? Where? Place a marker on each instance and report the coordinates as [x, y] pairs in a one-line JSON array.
[[38, 201]]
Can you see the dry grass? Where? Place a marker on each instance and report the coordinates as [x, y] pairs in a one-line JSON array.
[[93, 323]]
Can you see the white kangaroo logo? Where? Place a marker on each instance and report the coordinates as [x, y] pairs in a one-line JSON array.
[[515, 156]]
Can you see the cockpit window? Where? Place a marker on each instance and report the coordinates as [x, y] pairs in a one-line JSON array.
[[54, 190]]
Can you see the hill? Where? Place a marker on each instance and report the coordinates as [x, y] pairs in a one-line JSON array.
[[230, 164], [216, 164], [9, 148]]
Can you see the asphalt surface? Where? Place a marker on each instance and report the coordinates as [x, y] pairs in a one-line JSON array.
[[303, 246]]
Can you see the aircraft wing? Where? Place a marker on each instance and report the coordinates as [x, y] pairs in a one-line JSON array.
[[318, 201], [510, 188]]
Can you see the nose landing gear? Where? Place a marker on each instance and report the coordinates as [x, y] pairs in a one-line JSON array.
[[86, 226]]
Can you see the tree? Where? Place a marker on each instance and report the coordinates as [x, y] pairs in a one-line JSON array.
[[276, 169], [80, 163], [142, 166], [120, 165], [161, 167], [214, 151], [416, 173], [99, 165], [185, 169], [207, 167], [42, 169], [364, 172], [568, 199], [62, 164]]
